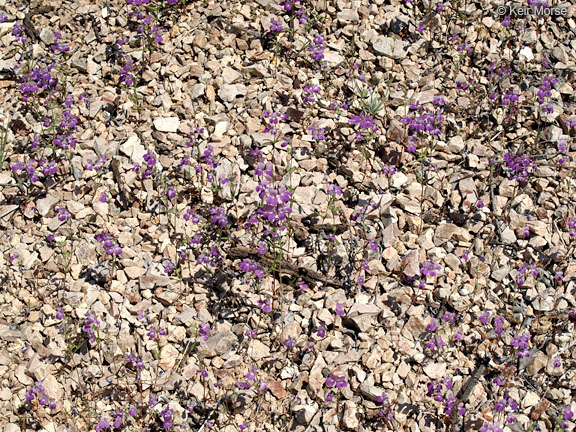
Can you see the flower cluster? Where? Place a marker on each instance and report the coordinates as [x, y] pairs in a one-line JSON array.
[[134, 360], [38, 391], [545, 92], [525, 270], [309, 90], [430, 268], [276, 25], [63, 214], [249, 265], [364, 123], [96, 165], [156, 331], [166, 417], [265, 305], [423, 123], [519, 166], [90, 326], [219, 216], [317, 132], [520, 342], [272, 119], [507, 405], [274, 206], [111, 246], [385, 412], [38, 81], [31, 169], [442, 392], [316, 49]]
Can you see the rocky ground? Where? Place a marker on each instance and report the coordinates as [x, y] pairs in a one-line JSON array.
[[287, 215]]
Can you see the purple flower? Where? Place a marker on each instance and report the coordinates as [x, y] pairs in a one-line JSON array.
[[219, 216], [204, 330], [520, 342], [338, 381], [429, 268], [321, 332], [334, 189], [483, 318], [265, 305], [432, 326], [290, 343], [276, 25], [102, 424], [340, 309]]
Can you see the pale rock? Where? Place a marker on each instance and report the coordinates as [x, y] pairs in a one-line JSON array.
[[229, 92], [526, 52], [390, 47], [134, 272], [435, 370], [166, 297], [304, 414], [131, 146], [376, 267], [531, 399], [100, 208], [348, 15], [220, 129], [316, 378], [168, 357], [370, 391], [425, 241], [185, 317], [350, 418], [410, 204], [410, 264], [167, 124], [398, 180], [403, 370], [53, 387], [230, 75], [45, 204], [257, 350], [508, 236], [444, 233], [151, 281], [291, 330], [456, 144], [333, 59], [543, 304], [219, 344], [47, 36]]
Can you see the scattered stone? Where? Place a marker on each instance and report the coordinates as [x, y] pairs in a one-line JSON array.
[[167, 124]]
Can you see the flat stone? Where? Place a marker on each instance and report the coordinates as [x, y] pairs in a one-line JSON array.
[[229, 92], [435, 370], [168, 357], [230, 75], [218, 344], [185, 317], [350, 418], [47, 36], [348, 15], [394, 48], [257, 350], [44, 205], [444, 233], [167, 124]]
